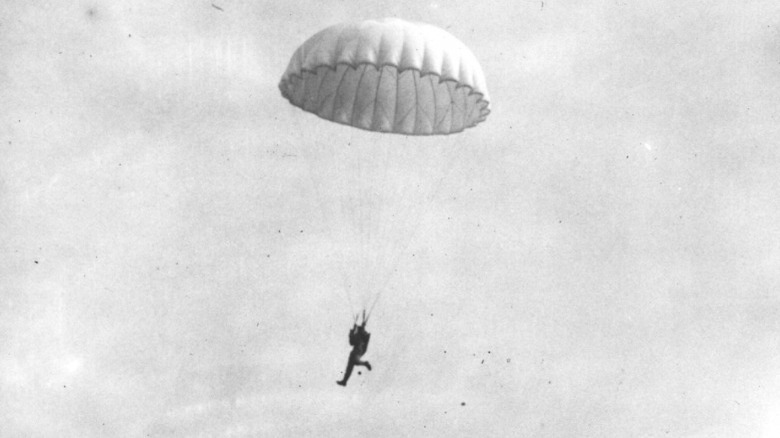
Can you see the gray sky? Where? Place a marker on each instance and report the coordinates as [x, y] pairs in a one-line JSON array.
[[599, 258]]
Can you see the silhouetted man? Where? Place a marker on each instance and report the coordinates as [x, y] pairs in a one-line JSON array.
[[358, 338]]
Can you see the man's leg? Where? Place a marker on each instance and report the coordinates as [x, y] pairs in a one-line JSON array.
[[348, 372], [364, 363]]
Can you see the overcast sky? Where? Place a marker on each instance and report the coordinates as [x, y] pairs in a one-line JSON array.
[[601, 257]]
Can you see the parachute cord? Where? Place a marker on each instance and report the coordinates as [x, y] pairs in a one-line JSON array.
[[380, 280], [345, 287], [380, 247], [385, 279], [372, 308], [310, 156]]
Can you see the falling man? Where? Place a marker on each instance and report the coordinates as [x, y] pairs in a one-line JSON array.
[[358, 339]]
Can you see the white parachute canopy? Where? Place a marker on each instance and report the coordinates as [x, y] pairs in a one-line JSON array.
[[386, 76], [389, 76]]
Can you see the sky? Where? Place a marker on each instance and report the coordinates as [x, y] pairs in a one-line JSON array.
[[598, 258]]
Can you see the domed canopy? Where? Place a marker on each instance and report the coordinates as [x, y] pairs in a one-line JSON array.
[[388, 76]]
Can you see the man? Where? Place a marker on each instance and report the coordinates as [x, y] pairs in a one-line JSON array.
[[358, 338]]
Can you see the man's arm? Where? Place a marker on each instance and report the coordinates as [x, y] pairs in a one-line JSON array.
[[352, 337]]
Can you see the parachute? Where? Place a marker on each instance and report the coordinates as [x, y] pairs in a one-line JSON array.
[[383, 76]]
